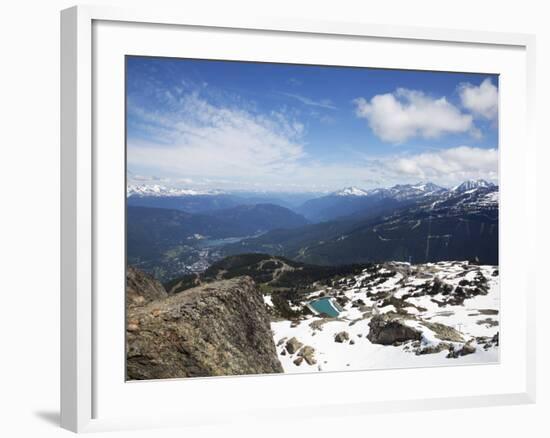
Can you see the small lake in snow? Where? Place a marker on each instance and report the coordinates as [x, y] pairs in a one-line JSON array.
[[326, 306]]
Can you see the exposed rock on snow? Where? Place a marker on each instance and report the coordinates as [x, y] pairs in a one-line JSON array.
[[443, 332], [468, 348], [308, 353], [341, 337], [388, 329], [293, 345]]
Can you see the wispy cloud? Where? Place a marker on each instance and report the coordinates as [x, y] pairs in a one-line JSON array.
[[404, 114], [193, 137], [323, 103], [294, 82]]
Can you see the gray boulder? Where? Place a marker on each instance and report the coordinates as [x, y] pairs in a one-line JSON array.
[[293, 345], [341, 337], [308, 353], [467, 348], [389, 329]]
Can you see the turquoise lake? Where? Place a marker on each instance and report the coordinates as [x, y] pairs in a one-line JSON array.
[[325, 305]]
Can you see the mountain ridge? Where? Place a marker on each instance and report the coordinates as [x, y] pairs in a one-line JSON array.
[[451, 226]]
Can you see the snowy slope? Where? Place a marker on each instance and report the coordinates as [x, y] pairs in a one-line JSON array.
[[367, 295]]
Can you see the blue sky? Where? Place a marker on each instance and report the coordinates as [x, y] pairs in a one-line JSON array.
[[279, 127]]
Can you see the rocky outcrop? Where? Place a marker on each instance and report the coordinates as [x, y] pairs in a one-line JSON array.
[[341, 337], [468, 348], [444, 332], [308, 353], [293, 345], [217, 329], [387, 329], [141, 288]]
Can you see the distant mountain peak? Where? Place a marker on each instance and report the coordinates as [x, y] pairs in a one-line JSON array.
[[160, 191], [412, 191], [472, 185], [424, 186], [350, 191], [427, 187]]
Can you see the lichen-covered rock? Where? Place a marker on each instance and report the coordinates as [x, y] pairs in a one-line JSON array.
[[217, 329], [388, 329], [308, 353], [444, 332], [141, 288], [293, 345]]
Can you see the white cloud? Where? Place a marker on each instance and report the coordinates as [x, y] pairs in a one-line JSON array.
[[195, 143], [446, 167], [481, 101], [404, 114], [196, 138], [322, 103]]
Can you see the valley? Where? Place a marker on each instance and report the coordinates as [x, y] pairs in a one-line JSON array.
[[407, 278], [413, 223]]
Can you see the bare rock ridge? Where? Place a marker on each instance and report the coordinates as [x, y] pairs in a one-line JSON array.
[[221, 328], [141, 288]]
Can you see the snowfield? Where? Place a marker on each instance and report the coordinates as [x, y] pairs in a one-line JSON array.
[[450, 308]]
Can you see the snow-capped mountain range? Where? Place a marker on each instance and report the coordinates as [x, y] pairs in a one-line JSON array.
[[399, 191], [351, 200], [472, 185], [160, 191], [404, 191], [470, 195], [351, 191]]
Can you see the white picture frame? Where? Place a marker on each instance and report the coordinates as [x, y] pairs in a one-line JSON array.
[[82, 408]]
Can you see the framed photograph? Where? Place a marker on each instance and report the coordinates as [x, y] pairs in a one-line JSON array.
[[254, 206]]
